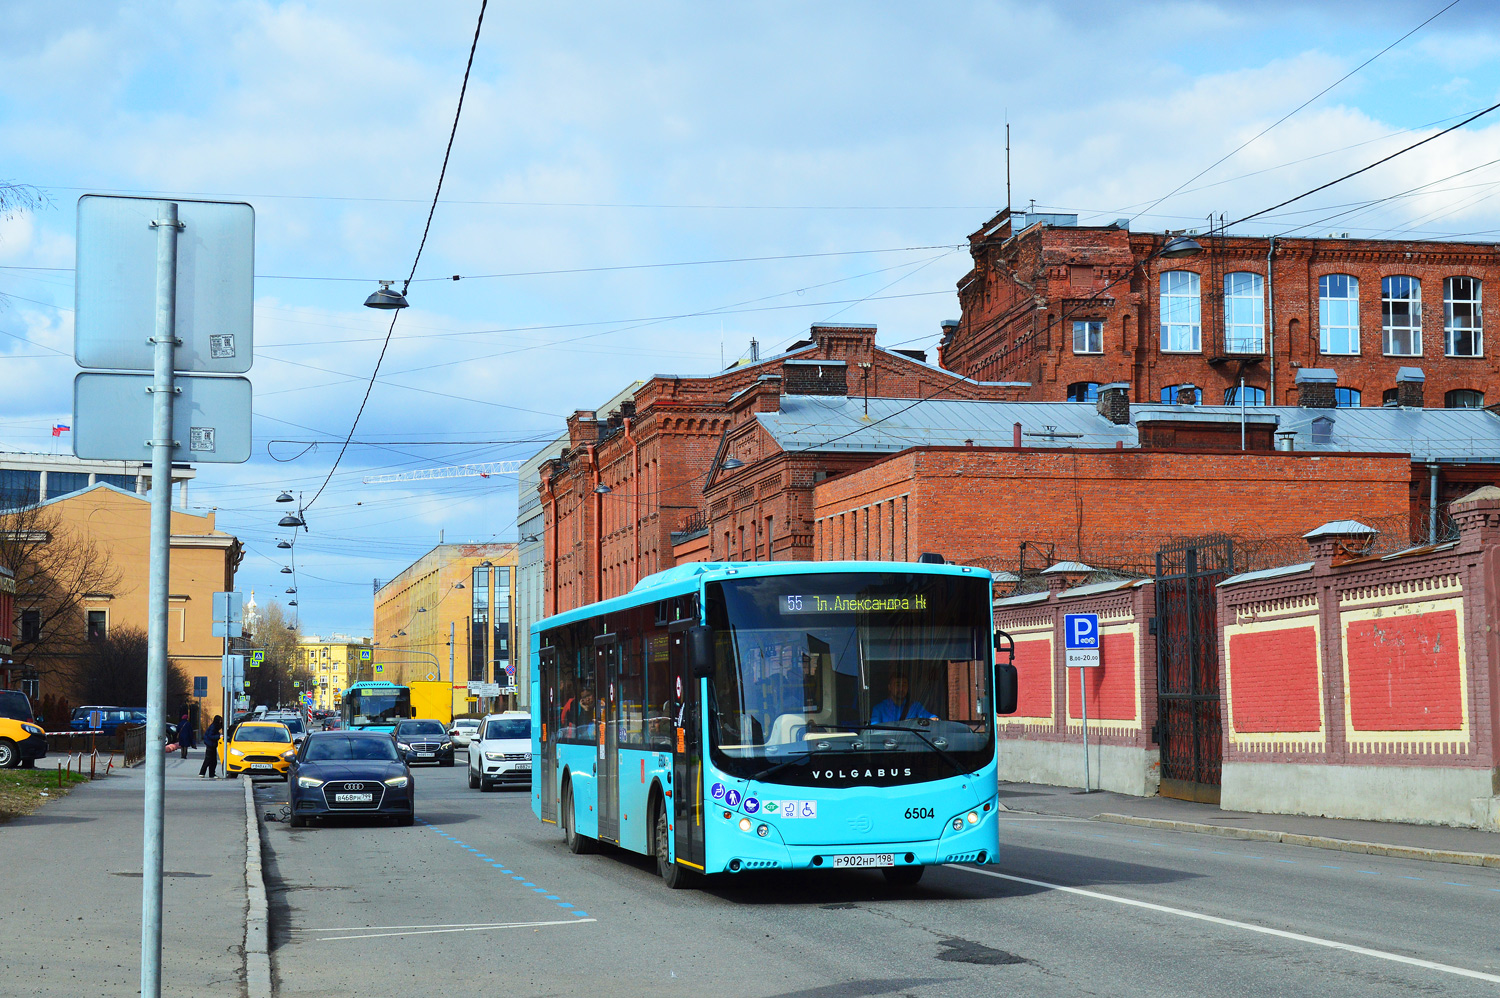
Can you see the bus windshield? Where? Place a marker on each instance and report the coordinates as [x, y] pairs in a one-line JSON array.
[[885, 673], [379, 708]]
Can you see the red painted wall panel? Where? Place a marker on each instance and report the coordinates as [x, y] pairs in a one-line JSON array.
[[1034, 678], [1111, 687], [1404, 673], [1273, 678]]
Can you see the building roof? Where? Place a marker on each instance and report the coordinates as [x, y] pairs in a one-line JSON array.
[[1068, 568], [837, 424], [1267, 573], [1340, 528]]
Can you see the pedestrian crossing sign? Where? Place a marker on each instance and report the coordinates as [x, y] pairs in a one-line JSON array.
[[258, 656], [364, 654]]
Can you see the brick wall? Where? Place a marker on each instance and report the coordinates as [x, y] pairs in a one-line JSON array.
[[1361, 686], [1043, 741], [976, 505]]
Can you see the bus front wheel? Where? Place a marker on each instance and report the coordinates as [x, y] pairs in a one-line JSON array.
[[672, 874], [577, 844]]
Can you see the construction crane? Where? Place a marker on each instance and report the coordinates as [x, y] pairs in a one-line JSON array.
[[449, 471]]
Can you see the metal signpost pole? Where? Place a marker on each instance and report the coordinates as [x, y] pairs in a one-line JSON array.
[[162, 389], [1083, 699], [452, 627]]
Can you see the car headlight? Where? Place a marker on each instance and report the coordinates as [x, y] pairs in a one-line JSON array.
[[33, 729], [398, 781], [309, 782], [290, 753], [235, 751], [447, 745], [403, 746], [494, 756]]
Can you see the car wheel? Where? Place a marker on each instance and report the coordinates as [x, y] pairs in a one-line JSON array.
[[903, 876], [577, 844], [474, 781], [674, 875], [9, 754], [233, 776]]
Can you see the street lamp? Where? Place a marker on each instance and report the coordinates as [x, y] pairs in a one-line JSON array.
[[386, 298], [1179, 247]]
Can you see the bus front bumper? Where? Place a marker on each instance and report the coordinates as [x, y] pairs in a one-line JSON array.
[[735, 849]]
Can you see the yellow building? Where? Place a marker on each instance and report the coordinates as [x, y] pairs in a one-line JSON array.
[[334, 662], [448, 617], [115, 524]]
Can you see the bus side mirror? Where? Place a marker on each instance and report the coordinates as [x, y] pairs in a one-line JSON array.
[[700, 651], [1005, 688]]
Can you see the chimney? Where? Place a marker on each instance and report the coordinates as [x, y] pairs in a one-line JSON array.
[[583, 427], [949, 327], [1409, 381], [1316, 386], [1114, 402], [1478, 517], [1340, 541], [1187, 394]]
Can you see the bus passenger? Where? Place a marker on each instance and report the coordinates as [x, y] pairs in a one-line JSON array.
[[578, 714], [898, 706]]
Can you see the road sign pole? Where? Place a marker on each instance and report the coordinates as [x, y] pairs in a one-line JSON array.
[[164, 341], [1083, 699]]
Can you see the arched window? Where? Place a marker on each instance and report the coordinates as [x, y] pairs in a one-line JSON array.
[[1346, 398], [1169, 395], [1244, 313], [1083, 391], [1181, 316], [1463, 328], [1464, 398], [1401, 316], [1338, 314], [1251, 394]]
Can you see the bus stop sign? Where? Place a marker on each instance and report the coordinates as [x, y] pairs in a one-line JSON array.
[[1081, 639]]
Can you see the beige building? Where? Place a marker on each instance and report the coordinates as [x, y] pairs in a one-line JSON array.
[[335, 662], [204, 561], [448, 616]]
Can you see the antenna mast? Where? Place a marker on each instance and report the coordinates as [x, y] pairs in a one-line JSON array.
[[1007, 165]]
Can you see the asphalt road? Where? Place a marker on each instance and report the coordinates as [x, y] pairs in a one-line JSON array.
[[481, 898]]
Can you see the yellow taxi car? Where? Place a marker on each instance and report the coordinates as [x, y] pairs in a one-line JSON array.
[[260, 748], [22, 740]]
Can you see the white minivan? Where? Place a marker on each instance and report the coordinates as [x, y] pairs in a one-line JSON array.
[[500, 751]]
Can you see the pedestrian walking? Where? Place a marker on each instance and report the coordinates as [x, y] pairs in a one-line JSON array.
[[210, 768], [184, 729]]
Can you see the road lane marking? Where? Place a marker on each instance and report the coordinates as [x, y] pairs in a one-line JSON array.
[[467, 928], [1249, 927]]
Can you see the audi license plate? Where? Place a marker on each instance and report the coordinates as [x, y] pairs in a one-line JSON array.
[[262, 765], [353, 798], [867, 859]]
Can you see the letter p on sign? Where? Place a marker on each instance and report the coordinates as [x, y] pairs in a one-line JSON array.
[[1081, 639]]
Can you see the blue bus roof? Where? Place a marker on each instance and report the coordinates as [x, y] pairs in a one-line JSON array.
[[373, 684], [683, 579]]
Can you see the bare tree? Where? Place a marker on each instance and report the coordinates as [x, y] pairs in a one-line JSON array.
[[112, 671], [56, 568], [16, 198], [272, 683]]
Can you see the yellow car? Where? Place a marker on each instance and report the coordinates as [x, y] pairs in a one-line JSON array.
[[22, 740], [260, 748]]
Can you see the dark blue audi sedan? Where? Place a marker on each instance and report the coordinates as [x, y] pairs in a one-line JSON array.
[[350, 773]]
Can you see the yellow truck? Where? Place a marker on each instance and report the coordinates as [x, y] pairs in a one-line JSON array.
[[432, 699]]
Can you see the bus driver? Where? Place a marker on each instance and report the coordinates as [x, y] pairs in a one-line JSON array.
[[898, 706]]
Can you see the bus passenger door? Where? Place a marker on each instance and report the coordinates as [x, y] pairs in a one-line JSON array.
[[547, 713], [687, 751], [607, 734]]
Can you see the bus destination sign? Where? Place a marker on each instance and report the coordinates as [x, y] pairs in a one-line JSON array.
[[838, 603]]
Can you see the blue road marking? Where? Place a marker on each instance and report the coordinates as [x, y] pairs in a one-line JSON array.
[[1327, 867], [1412, 878], [501, 867], [1452, 884]]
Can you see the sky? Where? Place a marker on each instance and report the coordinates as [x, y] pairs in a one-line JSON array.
[[641, 189]]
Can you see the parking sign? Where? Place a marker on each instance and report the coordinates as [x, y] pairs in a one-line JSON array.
[[1081, 639]]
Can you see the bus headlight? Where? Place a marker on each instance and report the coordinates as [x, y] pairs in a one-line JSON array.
[[744, 824], [309, 782], [958, 824], [973, 817], [763, 831], [397, 781]]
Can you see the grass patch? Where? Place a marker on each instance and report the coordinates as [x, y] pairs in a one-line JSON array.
[[22, 791]]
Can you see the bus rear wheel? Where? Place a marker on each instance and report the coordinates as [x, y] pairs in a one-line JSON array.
[[674, 875], [577, 844], [903, 876]]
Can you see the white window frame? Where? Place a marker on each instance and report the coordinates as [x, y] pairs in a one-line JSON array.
[[1168, 395], [1244, 312], [1451, 329], [1412, 328], [1349, 331], [1181, 312], [1092, 331]]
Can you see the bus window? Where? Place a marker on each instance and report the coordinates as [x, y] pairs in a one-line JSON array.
[[658, 690], [631, 689]]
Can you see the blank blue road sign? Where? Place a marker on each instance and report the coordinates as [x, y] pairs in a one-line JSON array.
[[1080, 631]]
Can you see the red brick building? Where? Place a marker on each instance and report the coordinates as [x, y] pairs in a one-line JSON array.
[[1070, 308], [631, 479]]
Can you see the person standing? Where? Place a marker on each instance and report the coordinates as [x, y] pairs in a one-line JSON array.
[[210, 768], [184, 730]]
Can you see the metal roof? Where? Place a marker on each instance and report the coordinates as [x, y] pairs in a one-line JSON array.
[[1267, 573], [836, 423], [1067, 568], [1339, 528]]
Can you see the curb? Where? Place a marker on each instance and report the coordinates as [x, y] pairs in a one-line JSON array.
[[257, 912], [1311, 841]]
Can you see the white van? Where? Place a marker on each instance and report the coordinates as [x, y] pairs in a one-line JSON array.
[[500, 751]]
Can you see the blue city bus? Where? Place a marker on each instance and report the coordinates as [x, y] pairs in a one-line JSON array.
[[374, 706], [776, 715]]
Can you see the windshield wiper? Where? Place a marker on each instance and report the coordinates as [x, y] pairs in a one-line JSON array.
[[942, 753], [779, 767]]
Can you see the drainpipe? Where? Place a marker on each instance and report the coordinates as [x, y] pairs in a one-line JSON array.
[[556, 526], [598, 527], [1271, 312], [1432, 507], [635, 496]]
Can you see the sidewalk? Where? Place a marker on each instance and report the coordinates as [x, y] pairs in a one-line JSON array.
[[72, 898], [1439, 843]]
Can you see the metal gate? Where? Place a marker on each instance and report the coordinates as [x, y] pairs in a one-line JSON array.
[[1189, 728]]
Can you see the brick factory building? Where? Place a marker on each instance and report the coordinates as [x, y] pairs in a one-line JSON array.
[[1071, 308]]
